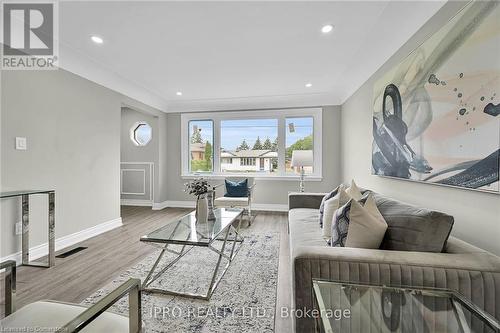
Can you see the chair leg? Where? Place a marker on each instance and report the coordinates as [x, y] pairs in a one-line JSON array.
[[250, 217]]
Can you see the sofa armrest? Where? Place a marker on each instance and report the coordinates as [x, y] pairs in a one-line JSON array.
[[304, 200], [475, 275]]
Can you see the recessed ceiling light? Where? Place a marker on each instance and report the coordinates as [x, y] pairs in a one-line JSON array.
[[97, 39], [327, 28], [309, 85], [179, 93]]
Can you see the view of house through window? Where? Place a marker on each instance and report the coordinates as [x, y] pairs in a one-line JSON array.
[[260, 142], [249, 145], [201, 139], [299, 136]]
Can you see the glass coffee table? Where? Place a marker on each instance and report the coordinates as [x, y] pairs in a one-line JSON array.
[[187, 233], [346, 307]]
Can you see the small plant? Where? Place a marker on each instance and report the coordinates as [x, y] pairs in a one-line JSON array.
[[197, 187]]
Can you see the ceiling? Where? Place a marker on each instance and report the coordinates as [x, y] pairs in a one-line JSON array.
[[235, 55]]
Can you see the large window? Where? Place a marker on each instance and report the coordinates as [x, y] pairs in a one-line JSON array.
[[250, 142], [299, 136], [201, 140], [249, 145]]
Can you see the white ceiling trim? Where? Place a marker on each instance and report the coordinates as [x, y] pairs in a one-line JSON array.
[[254, 102], [91, 70]]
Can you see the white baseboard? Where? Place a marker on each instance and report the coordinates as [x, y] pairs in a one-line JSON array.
[[192, 204], [174, 204], [65, 241], [270, 207], [136, 202]]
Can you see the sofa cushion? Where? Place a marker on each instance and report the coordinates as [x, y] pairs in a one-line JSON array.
[[331, 205], [325, 198], [412, 228], [354, 191], [357, 226], [304, 230]]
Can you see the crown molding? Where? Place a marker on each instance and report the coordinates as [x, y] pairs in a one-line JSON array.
[[254, 102], [81, 65]]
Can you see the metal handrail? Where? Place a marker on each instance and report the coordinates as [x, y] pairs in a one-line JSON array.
[[10, 286], [132, 287]]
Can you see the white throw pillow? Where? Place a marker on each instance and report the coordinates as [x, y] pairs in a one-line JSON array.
[[331, 205], [371, 206], [366, 229], [354, 191]]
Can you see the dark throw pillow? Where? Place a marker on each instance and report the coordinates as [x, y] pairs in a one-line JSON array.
[[236, 189]]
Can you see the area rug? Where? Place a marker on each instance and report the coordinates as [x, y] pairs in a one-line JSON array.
[[244, 300]]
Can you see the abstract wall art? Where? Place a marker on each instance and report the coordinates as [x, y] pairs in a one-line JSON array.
[[436, 115]]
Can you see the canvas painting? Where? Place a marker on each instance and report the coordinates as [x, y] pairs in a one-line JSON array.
[[436, 115]]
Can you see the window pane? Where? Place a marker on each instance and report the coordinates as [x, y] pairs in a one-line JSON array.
[[299, 136], [201, 139], [142, 134], [249, 145]]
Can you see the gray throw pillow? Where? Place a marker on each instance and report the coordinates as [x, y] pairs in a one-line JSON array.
[[413, 228]]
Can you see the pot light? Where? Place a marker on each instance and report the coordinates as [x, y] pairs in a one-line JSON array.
[[327, 28], [179, 93], [309, 85], [97, 39]]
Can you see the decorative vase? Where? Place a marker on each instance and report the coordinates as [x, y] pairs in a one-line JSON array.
[[210, 199], [202, 209]]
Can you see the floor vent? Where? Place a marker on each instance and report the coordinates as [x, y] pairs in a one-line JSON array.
[[71, 252]]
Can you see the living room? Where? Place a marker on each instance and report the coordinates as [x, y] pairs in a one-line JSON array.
[[177, 166]]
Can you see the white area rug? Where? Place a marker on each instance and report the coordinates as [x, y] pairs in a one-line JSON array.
[[244, 300]]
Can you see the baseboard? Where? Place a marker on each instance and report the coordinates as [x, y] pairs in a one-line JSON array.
[[135, 202], [270, 207], [174, 204], [192, 204], [65, 241]]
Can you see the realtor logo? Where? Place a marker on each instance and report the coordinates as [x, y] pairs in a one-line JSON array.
[[29, 35]]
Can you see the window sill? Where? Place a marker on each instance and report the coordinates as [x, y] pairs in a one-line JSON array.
[[294, 178]]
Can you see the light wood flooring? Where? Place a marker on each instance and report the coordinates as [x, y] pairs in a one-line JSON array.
[[76, 277]]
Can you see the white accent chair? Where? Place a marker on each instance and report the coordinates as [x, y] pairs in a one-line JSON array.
[[237, 202], [66, 317]]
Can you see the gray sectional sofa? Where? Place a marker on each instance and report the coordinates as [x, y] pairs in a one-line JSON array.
[[413, 253]]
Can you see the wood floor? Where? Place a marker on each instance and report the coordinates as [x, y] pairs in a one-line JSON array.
[[76, 277]]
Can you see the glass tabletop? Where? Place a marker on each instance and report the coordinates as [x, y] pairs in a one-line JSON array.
[[190, 232], [10, 194], [346, 307]]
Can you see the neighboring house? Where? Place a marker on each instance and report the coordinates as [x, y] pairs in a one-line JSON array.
[[197, 151], [247, 160]]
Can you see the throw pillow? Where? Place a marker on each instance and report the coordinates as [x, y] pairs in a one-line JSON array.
[[325, 198], [357, 226], [354, 191], [236, 189], [331, 205]]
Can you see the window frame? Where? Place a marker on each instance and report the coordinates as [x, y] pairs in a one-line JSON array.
[[280, 114], [134, 129], [189, 148]]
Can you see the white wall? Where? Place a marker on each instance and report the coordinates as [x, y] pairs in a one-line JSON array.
[[266, 191], [477, 215], [73, 130], [133, 153]]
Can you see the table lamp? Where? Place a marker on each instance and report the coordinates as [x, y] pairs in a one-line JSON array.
[[301, 159]]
